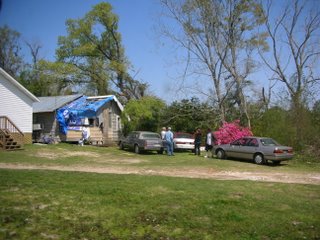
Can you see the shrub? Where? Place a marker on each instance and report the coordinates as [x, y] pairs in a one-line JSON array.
[[230, 132]]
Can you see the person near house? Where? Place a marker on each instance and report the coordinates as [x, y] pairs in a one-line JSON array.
[[85, 135], [168, 137], [197, 141], [209, 143]]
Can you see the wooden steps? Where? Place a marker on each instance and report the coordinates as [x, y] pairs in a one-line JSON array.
[[9, 142], [11, 138]]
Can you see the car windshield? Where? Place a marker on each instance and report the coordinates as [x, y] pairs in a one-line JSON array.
[[149, 135], [268, 142], [183, 135]]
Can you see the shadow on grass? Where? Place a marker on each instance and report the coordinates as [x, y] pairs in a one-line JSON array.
[[268, 163]]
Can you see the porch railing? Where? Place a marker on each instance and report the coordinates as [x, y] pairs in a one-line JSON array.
[[11, 137]]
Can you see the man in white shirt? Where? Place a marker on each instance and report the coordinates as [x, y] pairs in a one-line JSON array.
[[209, 143]]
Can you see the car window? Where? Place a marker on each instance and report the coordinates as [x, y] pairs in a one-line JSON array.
[[149, 135], [268, 142], [183, 135], [240, 142], [131, 135], [252, 142]]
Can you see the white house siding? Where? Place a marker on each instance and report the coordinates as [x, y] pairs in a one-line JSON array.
[[16, 105]]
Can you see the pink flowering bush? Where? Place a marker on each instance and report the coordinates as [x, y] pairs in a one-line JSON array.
[[230, 132]]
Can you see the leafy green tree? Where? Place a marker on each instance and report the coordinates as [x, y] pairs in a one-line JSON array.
[[10, 57], [42, 77], [142, 114], [275, 123], [316, 112], [188, 114], [93, 45], [314, 142]]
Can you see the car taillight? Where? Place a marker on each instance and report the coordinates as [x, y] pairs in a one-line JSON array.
[[290, 150], [278, 151]]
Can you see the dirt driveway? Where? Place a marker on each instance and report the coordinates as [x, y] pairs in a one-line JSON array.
[[300, 178]]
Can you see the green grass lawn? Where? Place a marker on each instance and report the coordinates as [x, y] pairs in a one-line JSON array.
[[68, 205], [72, 155], [42, 204]]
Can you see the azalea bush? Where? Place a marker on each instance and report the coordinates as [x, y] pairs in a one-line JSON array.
[[229, 132]]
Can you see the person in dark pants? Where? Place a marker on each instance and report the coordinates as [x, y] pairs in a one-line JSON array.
[[209, 143], [197, 141]]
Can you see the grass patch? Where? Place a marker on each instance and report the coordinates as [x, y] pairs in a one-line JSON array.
[[69, 205], [73, 155]]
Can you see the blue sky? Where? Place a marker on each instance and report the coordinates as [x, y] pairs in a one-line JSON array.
[[42, 21], [155, 61]]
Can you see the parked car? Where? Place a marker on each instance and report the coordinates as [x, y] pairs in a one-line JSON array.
[[258, 149], [183, 141], [142, 141]]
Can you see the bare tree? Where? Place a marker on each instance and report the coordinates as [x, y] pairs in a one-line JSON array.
[[295, 44], [192, 18], [220, 38]]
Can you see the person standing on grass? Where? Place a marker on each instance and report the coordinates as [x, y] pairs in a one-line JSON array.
[[163, 132], [168, 137], [209, 143], [197, 141]]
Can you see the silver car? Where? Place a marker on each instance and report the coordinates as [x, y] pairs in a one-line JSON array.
[[142, 141], [258, 149]]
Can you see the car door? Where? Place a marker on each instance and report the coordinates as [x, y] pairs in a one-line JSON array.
[[129, 141], [249, 148], [234, 150]]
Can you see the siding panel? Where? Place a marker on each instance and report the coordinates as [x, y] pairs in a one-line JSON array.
[[15, 105]]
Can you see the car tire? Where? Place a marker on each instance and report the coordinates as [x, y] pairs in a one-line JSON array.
[[136, 149], [259, 159], [221, 154]]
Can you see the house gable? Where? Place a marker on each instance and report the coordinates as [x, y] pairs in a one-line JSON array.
[[16, 102]]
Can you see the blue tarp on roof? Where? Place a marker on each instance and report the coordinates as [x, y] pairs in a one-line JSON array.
[[74, 113]]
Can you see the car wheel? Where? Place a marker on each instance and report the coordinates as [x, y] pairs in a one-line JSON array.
[[221, 154], [276, 162], [259, 159], [136, 149]]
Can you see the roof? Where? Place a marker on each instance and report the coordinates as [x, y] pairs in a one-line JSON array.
[[108, 96], [50, 104], [18, 85]]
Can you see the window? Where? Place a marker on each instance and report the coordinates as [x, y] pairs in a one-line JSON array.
[[91, 122], [268, 142], [252, 142]]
